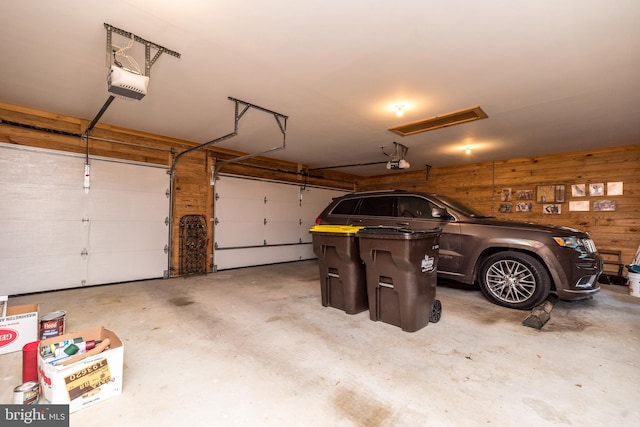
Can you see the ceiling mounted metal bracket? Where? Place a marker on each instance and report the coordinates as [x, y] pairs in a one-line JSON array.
[[281, 120], [148, 61]]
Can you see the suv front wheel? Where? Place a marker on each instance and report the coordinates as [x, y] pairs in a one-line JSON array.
[[514, 280]]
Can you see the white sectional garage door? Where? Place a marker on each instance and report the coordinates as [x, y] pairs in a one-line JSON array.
[[54, 235], [264, 222]]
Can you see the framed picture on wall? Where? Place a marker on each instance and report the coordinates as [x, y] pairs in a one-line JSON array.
[[524, 194], [614, 188], [604, 205], [550, 193], [578, 190], [552, 209], [596, 189]]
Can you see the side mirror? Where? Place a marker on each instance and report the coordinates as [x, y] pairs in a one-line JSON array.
[[440, 213]]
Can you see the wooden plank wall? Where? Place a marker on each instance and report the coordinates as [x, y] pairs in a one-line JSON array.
[[480, 185], [193, 193]]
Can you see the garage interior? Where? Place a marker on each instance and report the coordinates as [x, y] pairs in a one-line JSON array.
[[177, 214]]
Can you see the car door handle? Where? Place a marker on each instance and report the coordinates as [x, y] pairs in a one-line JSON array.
[[404, 224]]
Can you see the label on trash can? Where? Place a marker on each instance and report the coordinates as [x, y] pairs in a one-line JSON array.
[[427, 264]]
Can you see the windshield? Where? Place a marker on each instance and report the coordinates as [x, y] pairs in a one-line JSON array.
[[463, 209]]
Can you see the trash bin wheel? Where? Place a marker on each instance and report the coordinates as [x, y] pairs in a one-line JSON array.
[[436, 311]]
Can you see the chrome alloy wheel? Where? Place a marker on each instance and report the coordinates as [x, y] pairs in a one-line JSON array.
[[510, 281]]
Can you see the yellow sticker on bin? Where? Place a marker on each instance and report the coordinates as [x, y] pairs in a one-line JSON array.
[[344, 229]]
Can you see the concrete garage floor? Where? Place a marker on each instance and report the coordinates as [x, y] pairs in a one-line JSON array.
[[255, 347]]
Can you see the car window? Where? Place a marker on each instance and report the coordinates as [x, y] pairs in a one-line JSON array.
[[414, 207], [345, 207], [376, 206]]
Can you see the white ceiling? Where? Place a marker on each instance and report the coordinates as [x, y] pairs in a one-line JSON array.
[[553, 76]]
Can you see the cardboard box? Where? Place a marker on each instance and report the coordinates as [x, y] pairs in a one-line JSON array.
[[88, 381], [19, 327]]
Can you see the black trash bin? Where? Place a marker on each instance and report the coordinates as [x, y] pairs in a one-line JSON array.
[[401, 267], [342, 274]]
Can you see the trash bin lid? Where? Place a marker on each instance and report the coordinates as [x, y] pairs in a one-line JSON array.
[[339, 229], [397, 233]]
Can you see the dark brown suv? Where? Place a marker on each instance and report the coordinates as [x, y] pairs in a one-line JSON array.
[[516, 264]]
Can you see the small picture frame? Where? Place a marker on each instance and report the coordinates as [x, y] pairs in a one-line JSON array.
[[604, 205], [614, 188], [578, 190], [552, 209], [524, 194], [550, 193], [579, 205], [506, 207], [596, 189]]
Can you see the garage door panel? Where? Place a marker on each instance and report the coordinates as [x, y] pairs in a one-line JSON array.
[[50, 168], [303, 232], [236, 258], [35, 238], [237, 209], [43, 202], [282, 232], [46, 215], [42, 273], [283, 212], [113, 236], [123, 266], [129, 205], [126, 177], [238, 233]]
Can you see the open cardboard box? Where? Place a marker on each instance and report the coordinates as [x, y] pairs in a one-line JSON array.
[[18, 327], [85, 382]]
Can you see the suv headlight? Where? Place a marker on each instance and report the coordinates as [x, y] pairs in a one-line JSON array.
[[577, 243]]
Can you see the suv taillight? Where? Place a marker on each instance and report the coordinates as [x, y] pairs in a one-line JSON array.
[[318, 221]]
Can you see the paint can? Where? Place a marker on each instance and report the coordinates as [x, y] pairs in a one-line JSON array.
[[27, 393], [52, 324]]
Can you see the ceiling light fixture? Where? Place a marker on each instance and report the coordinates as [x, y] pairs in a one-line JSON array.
[[400, 109], [437, 122], [468, 149]]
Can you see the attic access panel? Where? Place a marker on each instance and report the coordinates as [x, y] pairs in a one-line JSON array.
[[437, 122]]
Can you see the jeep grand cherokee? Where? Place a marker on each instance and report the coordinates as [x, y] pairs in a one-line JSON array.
[[516, 264]]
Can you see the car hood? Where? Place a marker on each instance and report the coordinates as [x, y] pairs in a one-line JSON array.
[[550, 228]]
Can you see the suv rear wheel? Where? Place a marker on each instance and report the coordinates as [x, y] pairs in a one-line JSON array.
[[514, 280]]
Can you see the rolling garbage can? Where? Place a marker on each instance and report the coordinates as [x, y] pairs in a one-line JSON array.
[[342, 275], [400, 268]]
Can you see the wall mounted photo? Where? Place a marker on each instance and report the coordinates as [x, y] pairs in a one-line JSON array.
[[614, 188], [524, 194], [506, 207], [550, 193], [505, 195], [523, 207], [604, 205], [578, 190], [579, 206], [552, 209], [596, 189]]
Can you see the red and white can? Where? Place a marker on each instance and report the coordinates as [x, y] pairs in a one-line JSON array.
[[52, 324], [27, 393]]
